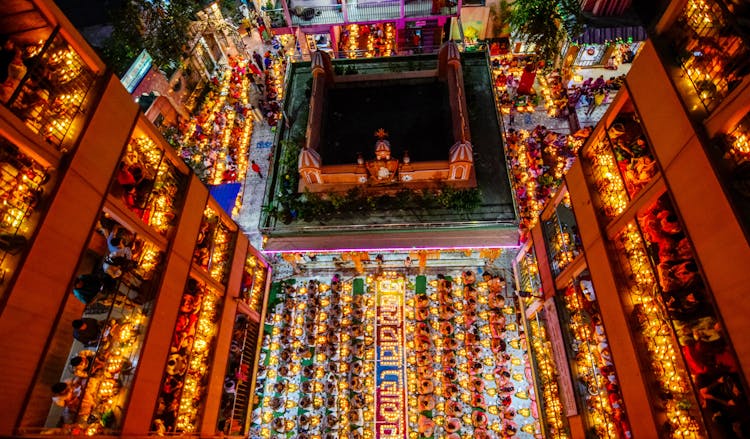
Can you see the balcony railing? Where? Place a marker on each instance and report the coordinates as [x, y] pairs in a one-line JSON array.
[[22, 184], [425, 8], [149, 184], [710, 49], [214, 246], [48, 89], [276, 17], [360, 11], [732, 156]]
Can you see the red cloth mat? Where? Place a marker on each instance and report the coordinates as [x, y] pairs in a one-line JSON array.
[[527, 81]]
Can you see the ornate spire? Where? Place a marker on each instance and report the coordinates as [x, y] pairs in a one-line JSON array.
[[382, 146], [381, 133]]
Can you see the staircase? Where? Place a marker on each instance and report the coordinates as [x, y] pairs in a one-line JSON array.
[[242, 398], [429, 43]]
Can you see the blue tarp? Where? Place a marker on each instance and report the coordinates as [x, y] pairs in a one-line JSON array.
[[226, 195]]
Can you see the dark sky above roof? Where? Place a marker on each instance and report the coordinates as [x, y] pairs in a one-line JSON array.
[[85, 13]]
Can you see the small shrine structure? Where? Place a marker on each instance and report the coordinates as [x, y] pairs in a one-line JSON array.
[[383, 172]]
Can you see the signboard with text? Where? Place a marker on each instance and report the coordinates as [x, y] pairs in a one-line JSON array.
[[390, 380], [567, 396]]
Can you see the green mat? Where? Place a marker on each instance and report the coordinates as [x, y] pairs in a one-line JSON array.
[[421, 285], [273, 295], [359, 286]]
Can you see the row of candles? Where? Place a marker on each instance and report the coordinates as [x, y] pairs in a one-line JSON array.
[[324, 333], [552, 416], [218, 246], [660, 345], [254, 282], [593, 364], [159, 211], [606, 178], [118, 349], [456, 374], [195, 383], [351, 44], [228, 136]]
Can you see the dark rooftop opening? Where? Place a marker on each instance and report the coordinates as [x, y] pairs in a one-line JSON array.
[[414, 112]]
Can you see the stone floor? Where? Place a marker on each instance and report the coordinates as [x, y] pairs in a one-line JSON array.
[[261, 144]]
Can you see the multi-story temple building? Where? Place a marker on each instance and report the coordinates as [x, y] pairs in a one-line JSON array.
[[393, 296]]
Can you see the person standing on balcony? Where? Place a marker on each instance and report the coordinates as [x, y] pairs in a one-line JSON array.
[[416, 42]]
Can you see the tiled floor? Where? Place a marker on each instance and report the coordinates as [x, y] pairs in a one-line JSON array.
[[260, 151]]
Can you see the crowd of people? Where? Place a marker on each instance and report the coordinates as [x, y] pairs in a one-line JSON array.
[[461, 317], [514, 77], [452, 388], [714, 370], [538, 160], [367, 40], [215, 142], [513, 80], [592, 93], [104, 335]]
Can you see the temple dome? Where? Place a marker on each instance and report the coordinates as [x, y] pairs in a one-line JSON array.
[[383, 149], [309, 158], [462, 152]]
